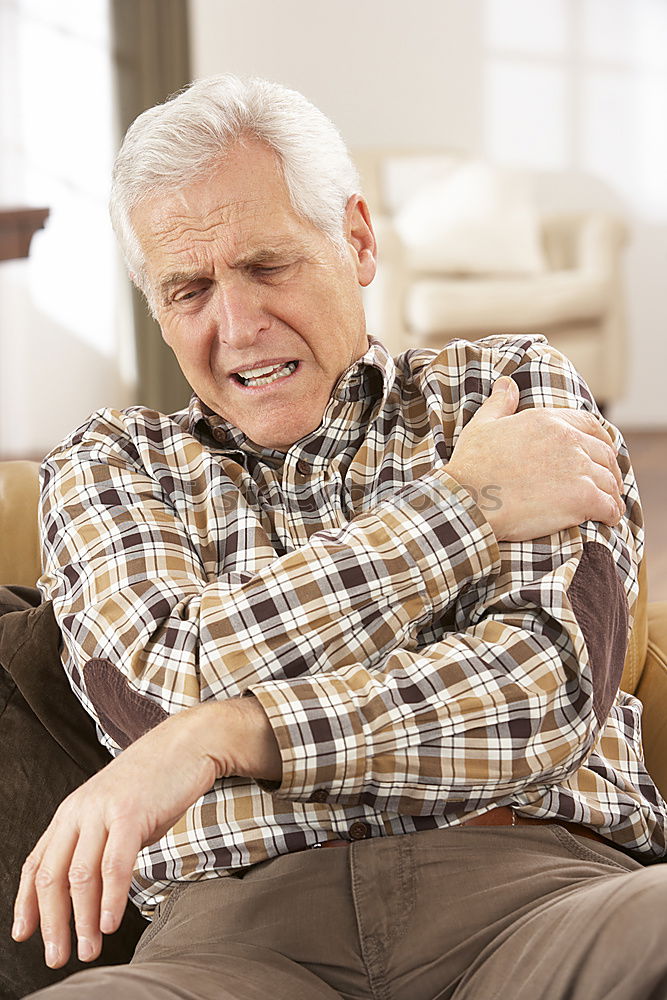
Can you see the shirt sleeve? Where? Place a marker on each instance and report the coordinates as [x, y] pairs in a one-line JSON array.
[[512, 696], [151, 626]]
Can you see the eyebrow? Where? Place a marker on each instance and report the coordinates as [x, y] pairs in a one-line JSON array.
[[265, 255], [178, 278], [254, 258]]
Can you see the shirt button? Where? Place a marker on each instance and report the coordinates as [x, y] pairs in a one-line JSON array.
[[319, 795], [359, 831], [302, 467]]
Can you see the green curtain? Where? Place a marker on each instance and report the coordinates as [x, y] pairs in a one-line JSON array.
[[152, 61]]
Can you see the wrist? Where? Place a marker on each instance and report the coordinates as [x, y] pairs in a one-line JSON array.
[[486, 496], [237, 736]]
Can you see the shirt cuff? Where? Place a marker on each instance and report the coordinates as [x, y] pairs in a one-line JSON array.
[[321, 739]]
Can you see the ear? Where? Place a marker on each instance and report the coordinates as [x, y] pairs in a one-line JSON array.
[[361, 238]]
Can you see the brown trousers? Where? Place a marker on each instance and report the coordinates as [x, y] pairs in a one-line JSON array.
[[472, 913]]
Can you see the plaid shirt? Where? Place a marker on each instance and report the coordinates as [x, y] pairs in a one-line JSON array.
[[414, 670]]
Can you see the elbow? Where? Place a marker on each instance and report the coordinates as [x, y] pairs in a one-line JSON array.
[[124, 714]]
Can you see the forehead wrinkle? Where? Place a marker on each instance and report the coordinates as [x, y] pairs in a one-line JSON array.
[[185, 255], [197, 225]]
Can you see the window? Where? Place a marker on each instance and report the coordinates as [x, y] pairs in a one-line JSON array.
[[64, 316]]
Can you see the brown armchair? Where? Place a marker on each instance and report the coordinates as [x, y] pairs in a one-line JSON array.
[[645, 673], [48, 744]]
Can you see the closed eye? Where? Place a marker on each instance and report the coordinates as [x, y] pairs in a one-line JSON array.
[[190, 293], [267, 269], [269, 272]]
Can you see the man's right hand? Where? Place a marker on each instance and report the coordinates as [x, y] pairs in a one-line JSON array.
[[84, 859], [546, 469]]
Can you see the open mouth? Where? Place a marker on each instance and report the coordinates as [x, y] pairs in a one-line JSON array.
[[265, 375]]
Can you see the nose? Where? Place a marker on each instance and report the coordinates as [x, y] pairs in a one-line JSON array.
[[239, 313]]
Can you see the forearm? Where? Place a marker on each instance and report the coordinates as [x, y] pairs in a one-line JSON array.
[[131, 803], [514, 699]]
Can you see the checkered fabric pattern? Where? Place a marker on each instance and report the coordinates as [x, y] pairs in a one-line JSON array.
[[414, 670]]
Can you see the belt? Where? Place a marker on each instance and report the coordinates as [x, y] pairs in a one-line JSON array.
[[504, 816]]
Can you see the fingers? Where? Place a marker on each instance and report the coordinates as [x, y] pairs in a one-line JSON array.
[[604, 469], [120, 855], [595, 439], [587, 422], [43, 895], [87, 870], [608, 504], [605, 455], [85, 887], [99, 881], [84, 861], [26, 909]]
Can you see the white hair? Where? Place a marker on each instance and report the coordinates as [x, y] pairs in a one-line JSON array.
[[179, 141]]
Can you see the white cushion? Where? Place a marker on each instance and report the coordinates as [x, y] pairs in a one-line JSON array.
[[475, 219], [501, 305], [402, 176]]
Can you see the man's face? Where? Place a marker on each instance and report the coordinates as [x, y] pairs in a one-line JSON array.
[[262, 312]]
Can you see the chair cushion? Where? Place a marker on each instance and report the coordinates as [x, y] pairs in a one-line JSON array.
[[478, 219], [48, 747], [501, 305], [401, 176]]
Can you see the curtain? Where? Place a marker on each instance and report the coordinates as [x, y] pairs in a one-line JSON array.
[[152, 61]]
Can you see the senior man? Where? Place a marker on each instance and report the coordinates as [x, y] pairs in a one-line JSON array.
[[341, 601]]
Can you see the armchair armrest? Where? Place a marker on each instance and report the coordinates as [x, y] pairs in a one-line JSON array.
[[601, 239], [652, 691], [20, 559], [584, 241]]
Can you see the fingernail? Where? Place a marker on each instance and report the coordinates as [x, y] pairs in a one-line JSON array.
[[52, 953], [18, 929], [107, 922], [85, 950], [504, 383]]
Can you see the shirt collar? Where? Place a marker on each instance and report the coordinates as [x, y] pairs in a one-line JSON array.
[[357, 398]]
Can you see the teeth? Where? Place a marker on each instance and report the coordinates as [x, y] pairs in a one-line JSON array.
[[256, 372], [264, 376]]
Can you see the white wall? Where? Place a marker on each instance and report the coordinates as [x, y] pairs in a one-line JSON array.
[[572, 84]]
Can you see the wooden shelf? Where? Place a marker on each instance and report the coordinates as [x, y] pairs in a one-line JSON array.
[[17, 228]]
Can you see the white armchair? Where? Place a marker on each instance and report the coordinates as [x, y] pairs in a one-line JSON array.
[[575, 299]]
